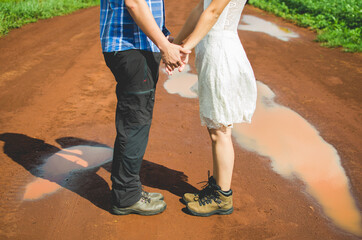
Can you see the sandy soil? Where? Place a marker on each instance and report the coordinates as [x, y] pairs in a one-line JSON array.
[[56, 92]]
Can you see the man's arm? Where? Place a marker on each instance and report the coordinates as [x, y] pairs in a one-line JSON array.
[[143, 17]]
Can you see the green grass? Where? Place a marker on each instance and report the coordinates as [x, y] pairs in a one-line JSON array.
[[16, 13], [338, 22]]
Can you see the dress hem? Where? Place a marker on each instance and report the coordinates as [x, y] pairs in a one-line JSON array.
[[214, 124]]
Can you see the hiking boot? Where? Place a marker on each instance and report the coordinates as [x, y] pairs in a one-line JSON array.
[[144, 206], [207, 189], [216, 203], [152, 196]]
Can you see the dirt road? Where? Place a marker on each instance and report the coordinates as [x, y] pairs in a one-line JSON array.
[[56, 93]]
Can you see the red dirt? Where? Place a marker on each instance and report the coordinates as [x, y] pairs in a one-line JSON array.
[[56, 92]]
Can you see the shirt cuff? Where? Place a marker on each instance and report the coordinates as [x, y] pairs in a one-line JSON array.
[[165, 31]]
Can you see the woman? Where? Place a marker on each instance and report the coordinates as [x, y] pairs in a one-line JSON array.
[[227, 93]]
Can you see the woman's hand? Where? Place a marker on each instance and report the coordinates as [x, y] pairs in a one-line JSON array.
[[184, 60], [171, 54]]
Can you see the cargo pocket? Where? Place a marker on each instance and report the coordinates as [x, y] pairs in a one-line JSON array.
[[136, 108]]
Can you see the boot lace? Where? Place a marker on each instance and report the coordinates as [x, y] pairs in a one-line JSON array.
[[206, 189], [209, 198], [145, 199], [144, 193]]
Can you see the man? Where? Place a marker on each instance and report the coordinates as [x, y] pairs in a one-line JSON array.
[[134, 39]]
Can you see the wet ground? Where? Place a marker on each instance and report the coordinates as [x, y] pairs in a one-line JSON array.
[[56, 129], [295, 148]]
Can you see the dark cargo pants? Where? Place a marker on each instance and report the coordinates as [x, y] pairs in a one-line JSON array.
[[136, 73]]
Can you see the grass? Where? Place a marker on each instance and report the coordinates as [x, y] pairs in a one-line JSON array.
[[338, 23], [16, 13]]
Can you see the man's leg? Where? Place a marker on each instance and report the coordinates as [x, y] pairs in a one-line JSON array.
[[136, 73]]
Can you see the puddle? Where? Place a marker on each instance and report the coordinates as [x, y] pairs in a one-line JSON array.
[[296, 150], [181, 83], [255, 24], [59, 167]]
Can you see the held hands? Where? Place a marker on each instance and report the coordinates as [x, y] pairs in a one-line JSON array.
[[184, 61], [174, 56]]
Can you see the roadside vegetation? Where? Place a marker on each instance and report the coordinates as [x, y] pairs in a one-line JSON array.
[[16, 13], [338, 23]]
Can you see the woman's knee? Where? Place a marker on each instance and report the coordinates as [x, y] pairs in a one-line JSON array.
[[220, 135]]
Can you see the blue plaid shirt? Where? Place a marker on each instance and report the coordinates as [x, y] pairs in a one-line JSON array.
[[118, 30]]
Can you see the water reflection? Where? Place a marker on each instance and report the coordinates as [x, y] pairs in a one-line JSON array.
[[296, 150], [182, 83], [58, 168], [255, 24]]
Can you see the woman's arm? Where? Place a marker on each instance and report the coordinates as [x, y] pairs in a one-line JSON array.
[[207, 20], [190, 23]]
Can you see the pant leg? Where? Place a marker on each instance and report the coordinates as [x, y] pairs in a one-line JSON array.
[[136, 73]]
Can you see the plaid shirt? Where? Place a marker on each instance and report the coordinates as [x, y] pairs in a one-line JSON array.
[[118, 30]]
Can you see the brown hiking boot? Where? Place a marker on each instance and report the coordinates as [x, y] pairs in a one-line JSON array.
[[190, 197], [216, 203], [206, 190], [145, 206]]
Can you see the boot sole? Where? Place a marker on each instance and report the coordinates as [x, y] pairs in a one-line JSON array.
[[185, 202], [216, 212], [118, 211]]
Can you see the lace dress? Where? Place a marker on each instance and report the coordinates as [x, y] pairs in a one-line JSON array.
[[226, 82]]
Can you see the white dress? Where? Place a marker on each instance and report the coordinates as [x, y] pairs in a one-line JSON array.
[[226, 82]]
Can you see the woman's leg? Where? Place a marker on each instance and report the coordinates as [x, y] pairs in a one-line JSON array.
[[223, 156], [218, 201]]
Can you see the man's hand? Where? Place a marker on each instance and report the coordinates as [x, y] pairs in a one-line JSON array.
[[171, 55], [143, 17], [184, 60]]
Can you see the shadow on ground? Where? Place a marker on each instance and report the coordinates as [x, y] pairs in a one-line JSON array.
[[32, 154]]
